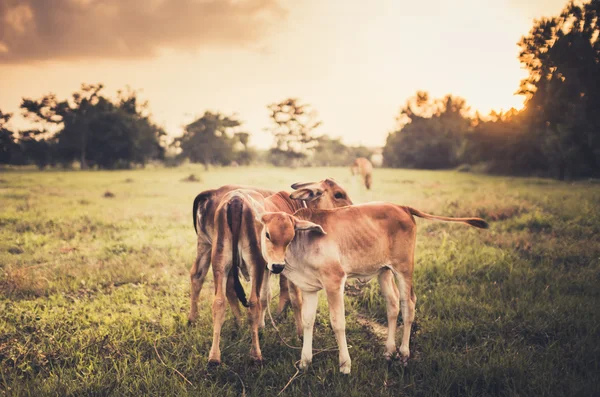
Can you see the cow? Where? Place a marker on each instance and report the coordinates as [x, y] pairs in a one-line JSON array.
[[364, 168], [236, 249], [320, 249]]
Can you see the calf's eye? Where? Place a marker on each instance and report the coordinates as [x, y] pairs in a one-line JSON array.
[[339, 195], [268, 236]]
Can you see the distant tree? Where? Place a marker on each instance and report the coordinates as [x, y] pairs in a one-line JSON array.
[[333, 152], [355, 152], [292, 127], [562, 56], [8, 147], [37, 149], [211, 139], [97, 130], [431, 133], [243, 153], [503, 145], [329, 152]]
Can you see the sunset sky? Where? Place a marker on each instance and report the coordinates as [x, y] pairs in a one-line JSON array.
[[355, 61]]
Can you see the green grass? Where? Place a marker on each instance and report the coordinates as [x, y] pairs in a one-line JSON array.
[[94, 288]]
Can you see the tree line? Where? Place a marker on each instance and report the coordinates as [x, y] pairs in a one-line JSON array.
[[89, 127], [556, 134], [93, 130]]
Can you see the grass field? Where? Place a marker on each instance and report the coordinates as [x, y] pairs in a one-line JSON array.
[[94, 290]]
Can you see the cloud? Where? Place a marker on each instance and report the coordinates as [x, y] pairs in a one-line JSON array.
[[34, 30]]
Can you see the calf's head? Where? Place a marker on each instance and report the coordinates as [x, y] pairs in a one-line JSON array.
[[321, 195], [279, 229]]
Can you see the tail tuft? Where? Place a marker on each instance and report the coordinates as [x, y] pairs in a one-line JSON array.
[[477, 222]]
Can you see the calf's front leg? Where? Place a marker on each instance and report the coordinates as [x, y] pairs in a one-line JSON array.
[[296, 300], [335, 299], [309, 312]]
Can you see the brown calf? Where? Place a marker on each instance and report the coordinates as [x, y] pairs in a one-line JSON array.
[[203, 212], [320, 249], [236, 247]]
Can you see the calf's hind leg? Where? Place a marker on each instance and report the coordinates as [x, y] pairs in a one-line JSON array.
[[407, 305], [197, 276], [391, 295]]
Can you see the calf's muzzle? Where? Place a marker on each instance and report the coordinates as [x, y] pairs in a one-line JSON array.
[[277, 268]]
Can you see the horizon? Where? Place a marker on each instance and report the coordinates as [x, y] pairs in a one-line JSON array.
[[338, 57]]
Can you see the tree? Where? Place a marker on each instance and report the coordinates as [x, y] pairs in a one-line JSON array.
[[243, 154], [562, 56], [8, 147], [504, 145], [97, 130], [329, 152], [431, 133], [210, 139], [36, 149], [292, 127], [332, 152]]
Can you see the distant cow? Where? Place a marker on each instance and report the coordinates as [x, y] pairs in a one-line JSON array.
[[320, 249], [364, 168]]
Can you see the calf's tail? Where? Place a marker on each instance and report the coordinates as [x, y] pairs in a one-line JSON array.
[[475, 222], [200, 199], [234, 220]]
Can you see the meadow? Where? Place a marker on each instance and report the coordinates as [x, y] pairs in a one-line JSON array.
[[94, 290]]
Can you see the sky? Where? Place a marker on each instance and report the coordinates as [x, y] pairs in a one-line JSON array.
[[356, 62]]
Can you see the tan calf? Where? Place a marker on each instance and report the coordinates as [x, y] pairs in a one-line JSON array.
[[320, 249]]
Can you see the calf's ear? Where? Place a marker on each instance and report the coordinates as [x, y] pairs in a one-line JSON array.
[[298, 185], [307, 194], [309, 226], [257, 209]]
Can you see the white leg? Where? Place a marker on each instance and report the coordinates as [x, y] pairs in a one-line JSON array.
[[408, 313], [309, 312], [335, 298], [390, 293]]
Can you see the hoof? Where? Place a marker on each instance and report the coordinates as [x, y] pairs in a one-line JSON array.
[[345, 370], [303, 365], [257, 361], [213, 364], [190, 322], [394, 356], [404, 360]]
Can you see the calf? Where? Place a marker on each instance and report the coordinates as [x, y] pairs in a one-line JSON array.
[[203, 213], [236, 248], [320, 249]]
